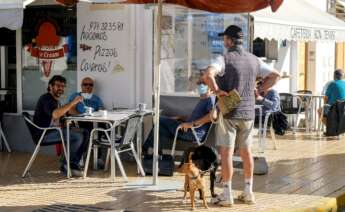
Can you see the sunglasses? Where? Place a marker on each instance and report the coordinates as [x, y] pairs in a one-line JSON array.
[[88, 84]]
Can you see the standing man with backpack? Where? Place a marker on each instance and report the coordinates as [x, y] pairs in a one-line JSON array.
[[237, 70]]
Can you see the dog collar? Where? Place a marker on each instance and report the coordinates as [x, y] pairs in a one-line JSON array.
[[194, 177]]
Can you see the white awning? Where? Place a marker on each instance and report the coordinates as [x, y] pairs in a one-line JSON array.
[[298, 20], [11, 14]]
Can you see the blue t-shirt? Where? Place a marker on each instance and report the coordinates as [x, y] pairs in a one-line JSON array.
[[203, 107], [335, 91], [95, 102]]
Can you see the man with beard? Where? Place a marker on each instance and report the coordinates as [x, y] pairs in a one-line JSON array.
[[48, 113]]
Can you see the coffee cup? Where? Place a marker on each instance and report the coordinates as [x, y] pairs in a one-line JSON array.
[[104, 113], [88, 110], [141, 106]]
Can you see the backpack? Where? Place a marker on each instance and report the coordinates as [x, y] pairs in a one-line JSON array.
[[279, 122]]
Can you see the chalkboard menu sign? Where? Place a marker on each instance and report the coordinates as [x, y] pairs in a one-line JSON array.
[[103, 36]]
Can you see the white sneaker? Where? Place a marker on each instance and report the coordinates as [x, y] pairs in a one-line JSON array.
[[247, 198], [223, 200]]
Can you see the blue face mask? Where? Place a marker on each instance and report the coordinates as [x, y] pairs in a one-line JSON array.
[[202, 89]]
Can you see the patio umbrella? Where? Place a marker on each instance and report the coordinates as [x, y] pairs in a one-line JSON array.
[[219, 6]]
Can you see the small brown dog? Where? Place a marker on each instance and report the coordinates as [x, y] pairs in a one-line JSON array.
[[193, 181]]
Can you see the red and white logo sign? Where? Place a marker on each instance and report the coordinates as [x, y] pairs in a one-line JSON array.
[[46, 47]]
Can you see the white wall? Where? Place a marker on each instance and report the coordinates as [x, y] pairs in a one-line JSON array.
[[283, 65], [125, 79], [325, 64], [320, 67]]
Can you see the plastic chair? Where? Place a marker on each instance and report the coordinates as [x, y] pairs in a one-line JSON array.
[[290, 105], [304, 99], [2, 134], [197, 141], [263, 129], [264, 132], [122, 144], [31, 126]]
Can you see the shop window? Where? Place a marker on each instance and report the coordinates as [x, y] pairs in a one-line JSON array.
[[190, 42], [49, 48]]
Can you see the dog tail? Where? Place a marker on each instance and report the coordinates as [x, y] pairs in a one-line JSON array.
[[190, 157]]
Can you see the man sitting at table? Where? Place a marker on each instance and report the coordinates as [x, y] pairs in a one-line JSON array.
[[49, 113], [201, 116], [335, 92], [90, 99]]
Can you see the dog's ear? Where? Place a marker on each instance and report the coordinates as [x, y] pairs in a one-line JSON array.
[[190, 157], [183, 168]]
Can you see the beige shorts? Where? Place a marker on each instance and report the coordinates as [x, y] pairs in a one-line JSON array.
[[235, 132]]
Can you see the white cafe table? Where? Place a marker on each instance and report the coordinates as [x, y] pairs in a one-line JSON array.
[[113, 118], [313, 102]]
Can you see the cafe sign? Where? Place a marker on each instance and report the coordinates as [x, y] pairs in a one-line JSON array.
[[301, 33]]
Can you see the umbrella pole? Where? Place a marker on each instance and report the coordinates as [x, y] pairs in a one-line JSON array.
[[157, 91]]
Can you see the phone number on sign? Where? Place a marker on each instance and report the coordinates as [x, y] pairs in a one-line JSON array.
[[106, 26]]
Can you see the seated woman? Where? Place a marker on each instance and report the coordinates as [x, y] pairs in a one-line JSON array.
[[270, 102], [201, 115]]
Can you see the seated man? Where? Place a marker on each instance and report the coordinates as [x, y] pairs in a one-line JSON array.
[[201, 115], [48, 113], [90, 99], [335, 92], [269, 100]]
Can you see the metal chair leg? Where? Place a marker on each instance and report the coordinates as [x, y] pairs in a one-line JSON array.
[[63, 144], [33, 157], [2, 135], [95, 157], [264, 133], [273, 138], [137, 160], [119, 163], [107, 160], [174, 143], [88, 154]]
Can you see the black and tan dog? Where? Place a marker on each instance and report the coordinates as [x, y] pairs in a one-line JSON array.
[[194, 181], [206, 159]]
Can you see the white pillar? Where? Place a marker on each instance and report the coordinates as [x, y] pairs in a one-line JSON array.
[[19, 70], [293, 66]]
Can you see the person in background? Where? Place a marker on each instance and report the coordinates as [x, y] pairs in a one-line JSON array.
[[270, 101], [49, 112], [201, 116], [237, 69], [90, 99], [335, 92], [93, 101]]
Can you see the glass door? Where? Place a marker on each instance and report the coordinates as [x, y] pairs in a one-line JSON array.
[[8, 81]]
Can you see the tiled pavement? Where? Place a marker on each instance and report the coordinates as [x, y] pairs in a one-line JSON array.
[[295, 181]]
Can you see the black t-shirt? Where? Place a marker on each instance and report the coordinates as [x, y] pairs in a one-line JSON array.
[[44, 112]]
